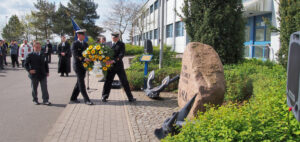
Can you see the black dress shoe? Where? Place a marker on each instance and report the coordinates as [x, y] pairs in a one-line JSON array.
[[61, 74], [132, 100], [67, 74], [74, 101], [104, 99], [89, 103], [36, 102], [47, 103]]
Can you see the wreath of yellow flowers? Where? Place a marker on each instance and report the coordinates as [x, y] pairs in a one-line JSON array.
[[93, 51]]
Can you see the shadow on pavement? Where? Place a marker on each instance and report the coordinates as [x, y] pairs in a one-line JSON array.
[[58, 105]]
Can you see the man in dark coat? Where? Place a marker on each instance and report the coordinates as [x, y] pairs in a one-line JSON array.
[[38, 69], [77, 48], [48, 51], [64, 54], [117, 68], [14, 49], [4, 52]]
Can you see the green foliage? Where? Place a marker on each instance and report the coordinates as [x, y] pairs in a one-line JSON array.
[[171, 66], [289, 11], [85, 15], [217, 23], [43, 17], [62, 18], [91, 41], [133, 49], [13, 30], [265, 117]]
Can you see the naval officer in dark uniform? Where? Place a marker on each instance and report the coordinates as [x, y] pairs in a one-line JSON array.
[[117, 68], [77, 48]]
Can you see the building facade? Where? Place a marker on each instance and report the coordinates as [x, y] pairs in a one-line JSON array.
[[260, 42]]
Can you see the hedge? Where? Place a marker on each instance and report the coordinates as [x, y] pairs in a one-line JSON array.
[[265, 117]]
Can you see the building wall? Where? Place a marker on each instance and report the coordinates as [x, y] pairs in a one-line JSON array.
[[253, 10]]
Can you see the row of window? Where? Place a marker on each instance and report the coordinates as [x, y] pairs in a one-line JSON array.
[[153, 34], [154, 6]]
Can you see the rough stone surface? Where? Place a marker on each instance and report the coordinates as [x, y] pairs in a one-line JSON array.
[[202, 74], [147, 114]]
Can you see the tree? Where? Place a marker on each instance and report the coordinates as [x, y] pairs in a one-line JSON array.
[[84, 13], [61, 23], [121, 16], [289, 12], [44, 17], [218, 23], [13, 30]]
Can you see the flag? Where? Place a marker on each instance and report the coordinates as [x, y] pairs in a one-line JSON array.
[[76, 28]]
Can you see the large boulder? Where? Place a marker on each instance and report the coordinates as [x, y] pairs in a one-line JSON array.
[[202, 74]]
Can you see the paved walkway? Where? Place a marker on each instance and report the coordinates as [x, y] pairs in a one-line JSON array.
[[114, 121], [102, 122]]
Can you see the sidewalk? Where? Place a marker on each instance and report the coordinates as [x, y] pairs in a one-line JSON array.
[[101, 122], [114, 121]]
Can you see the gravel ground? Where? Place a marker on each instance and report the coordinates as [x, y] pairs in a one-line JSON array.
[[147, 114]]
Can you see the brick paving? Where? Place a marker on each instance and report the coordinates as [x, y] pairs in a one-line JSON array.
[[114, 121], [102, 122]]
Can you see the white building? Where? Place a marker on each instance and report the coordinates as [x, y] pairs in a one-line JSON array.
[[258, 36]]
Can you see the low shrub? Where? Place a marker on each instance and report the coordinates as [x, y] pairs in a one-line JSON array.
[[133, 50], [171, 67], [264, 117]]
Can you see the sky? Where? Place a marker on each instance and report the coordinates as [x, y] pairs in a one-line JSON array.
[[23, 7]]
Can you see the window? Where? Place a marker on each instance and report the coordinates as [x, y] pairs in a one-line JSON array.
[[261, 52], [246, 51], [179, 29], [156, 5], [151, 8], [150, 35], [262, 31], [247, 33], [155, 33], [169, 31]]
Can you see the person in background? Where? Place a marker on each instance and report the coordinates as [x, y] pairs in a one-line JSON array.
[[38, 70], [1, 54], [14, 48], [4, 51], [64, 54], [48, 51], [24, 50], [102, 42]]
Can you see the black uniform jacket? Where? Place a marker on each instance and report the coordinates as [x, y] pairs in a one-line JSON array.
[[37, 63]]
